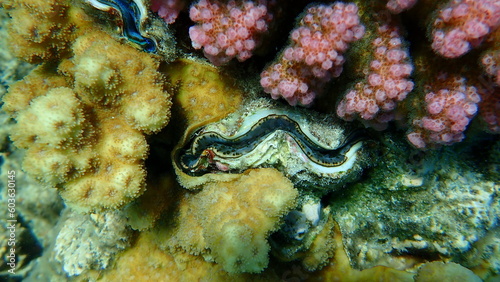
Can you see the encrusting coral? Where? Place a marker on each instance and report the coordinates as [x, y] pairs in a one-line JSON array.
[[42, 30], [182, 266], [234, 237], [204, 93], [83, 121], [100, 236]]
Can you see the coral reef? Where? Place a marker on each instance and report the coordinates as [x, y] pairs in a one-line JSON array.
[[36, 213], [451, 209], [306, 235], [84, 122], [146, 210], [445, 272], [491, 63], [13, 68], [42, 30], [485, 255], [168, 10], [136, 25], [203, 93], [462, 25], [265, 134], [37, 209], [450, 105], [374, 99], [133, 15], [171, 161], [397, 6], [236, 237], [489, 109], [161, 265]]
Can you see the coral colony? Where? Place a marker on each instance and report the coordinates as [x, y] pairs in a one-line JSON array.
[[315, 53], [173, 140], [228, 30]]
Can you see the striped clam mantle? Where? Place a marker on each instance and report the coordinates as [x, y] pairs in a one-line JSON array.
[[309, 149], [133, 15]]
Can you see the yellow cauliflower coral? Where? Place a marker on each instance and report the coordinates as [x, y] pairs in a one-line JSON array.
[[40, 30], [84, 123], [61, 121]]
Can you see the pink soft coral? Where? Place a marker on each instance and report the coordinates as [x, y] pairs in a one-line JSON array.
[[397, 6], [314, 54], [450, 105], [387, 81], [463, 24], [225, 31], [167, 9]]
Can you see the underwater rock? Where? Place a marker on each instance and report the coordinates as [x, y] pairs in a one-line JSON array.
[[300, 229], [314, 151], [90, 241], [425, 203]]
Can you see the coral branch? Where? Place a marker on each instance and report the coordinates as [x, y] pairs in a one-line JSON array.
[[450, 105], [226, 31], [463, 24], [386, 83], [315, 53], [168, 10]]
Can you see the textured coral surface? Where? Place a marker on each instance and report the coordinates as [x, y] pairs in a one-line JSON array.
[[463, 24], [228, 31], [84, 122], [234, 237], [98, 98], [386, 82], [315, 53]]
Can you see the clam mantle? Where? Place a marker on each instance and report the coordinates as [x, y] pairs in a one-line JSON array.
[[312, 150]]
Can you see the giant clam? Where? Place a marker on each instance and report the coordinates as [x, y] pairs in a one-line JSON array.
[[139, 26], [133, 15], [312, 150]]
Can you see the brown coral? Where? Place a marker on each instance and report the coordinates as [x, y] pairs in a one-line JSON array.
[[230, 221], [84, 129], [205, 94], [40, 30]]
